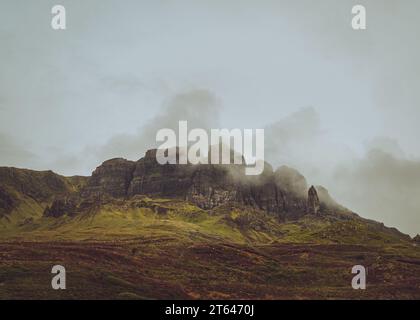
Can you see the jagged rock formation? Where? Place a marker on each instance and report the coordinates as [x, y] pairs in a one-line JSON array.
[[416, 239], [313, 201], [282, 193], [8, 201], [112, 178]]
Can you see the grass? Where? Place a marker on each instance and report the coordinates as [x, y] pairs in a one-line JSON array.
[[165, 248]]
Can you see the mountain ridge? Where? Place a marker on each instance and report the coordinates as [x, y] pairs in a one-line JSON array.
[[283, 194]]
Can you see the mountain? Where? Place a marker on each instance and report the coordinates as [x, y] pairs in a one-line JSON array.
[[138, 229], [282, 194]]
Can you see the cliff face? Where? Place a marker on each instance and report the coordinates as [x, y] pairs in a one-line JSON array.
[[112, 178], [313, 201], [8, 201], [282, 193]]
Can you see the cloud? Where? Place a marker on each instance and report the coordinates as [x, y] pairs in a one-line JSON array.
[[384, 187], [385, 144], [283, 136], [300, 141], [199, 107]]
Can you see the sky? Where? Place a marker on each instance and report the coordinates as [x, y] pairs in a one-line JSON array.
[[341, 106]]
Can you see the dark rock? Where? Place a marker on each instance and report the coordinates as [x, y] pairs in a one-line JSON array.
[[151, 178], [281, 193], [112, 178], [313, 201], [62, 206], [211, 186], [7, 201]]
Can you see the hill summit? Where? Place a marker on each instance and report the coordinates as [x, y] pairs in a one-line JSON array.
[[282, 193]]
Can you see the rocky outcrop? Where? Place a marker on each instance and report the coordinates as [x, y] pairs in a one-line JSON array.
[[416, 239], [211, 186], [151, 178], [8, 201], [282, 193], [113, 178], [75, 204], [62, 206], [313, 201]]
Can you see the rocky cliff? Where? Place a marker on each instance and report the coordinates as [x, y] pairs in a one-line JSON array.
[[283, 193], [313, 201]]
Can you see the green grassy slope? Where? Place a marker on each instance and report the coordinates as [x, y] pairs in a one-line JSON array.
[[130, 218], [163, 248]]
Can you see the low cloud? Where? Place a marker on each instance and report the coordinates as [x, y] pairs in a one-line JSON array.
[[199, 107], [382, 186], [286, 136], [299, 140]]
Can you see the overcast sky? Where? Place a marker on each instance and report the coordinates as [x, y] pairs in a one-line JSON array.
[[341, 106]]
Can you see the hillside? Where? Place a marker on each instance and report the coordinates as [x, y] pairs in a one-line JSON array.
[[142, 230], [24, 194]]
